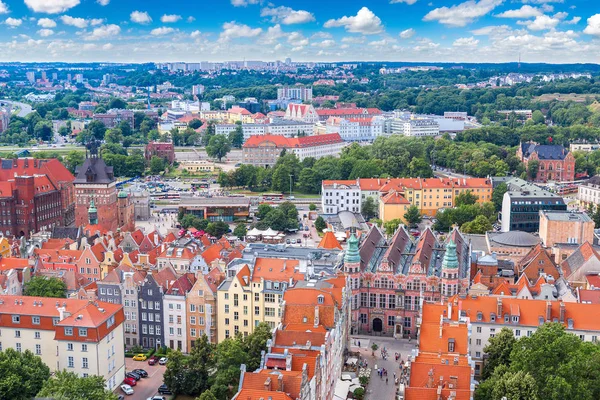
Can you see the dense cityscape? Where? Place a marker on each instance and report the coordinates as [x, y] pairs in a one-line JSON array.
[[319, 227]]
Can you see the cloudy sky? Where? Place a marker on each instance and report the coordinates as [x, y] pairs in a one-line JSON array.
[[554, 31]]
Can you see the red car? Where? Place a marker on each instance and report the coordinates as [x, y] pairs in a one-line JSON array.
[[130, 381], [152, 360]]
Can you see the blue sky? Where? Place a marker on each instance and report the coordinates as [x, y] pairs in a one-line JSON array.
[[555, 31]]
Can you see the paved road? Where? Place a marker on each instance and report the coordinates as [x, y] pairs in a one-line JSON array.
[[146, 387], [24, 108], [377, 388]]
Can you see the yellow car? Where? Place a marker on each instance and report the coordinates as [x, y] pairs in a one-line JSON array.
[[139, 357]]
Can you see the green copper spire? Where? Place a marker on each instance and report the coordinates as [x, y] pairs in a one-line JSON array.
[[450, 260], [92, 213], [352, 255]]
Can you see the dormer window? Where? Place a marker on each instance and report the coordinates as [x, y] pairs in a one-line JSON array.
[[451, 345], [479, 316], [540, 320], [506, 318], [515, 319], [492, 317], [320, 299], [570, 323]]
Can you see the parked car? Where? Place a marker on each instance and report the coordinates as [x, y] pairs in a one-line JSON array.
[[133, 375], [157, 398], [163, 361], [130, 381], [152, 360], [163, 389], [299, 241], [287, 241], [139, 357], [120, 397], [141, 372], [127, 389]]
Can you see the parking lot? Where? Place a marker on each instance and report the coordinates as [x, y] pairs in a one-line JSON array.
[[146, 387]]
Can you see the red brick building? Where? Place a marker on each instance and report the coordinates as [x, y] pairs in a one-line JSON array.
[[162, 150], [95, 181], [34, 195], [555, 162]]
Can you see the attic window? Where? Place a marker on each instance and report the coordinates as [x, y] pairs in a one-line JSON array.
[[479, 316], [320, 299], [450, 345], [492, 317], [570, 323], [540, 320], [506, 318]]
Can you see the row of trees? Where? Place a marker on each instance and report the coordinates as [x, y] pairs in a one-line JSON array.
[[550, 364], [216, 368], [215, 228], [24, 376]]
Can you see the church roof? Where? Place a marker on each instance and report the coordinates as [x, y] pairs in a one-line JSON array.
[[97, 168]]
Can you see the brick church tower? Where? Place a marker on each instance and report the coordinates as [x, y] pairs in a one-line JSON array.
[[95, 188]]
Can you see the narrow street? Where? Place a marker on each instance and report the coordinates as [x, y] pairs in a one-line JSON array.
[[378, 389]]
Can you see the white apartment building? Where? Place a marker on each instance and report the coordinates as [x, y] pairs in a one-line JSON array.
[[356, 129], [340, 196], [302, 93], [175, 320], [488, 315], [71, 334], [285, 128], [186, 105], [589, 192], [416, 127]]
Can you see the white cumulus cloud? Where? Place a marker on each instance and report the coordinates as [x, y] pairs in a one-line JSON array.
[[45, 32], [463, 13], [140, 17], [407, 34], [365, 22], [232, 30], [573, 21], [46, 23], [287, 15], [466, 42], [409, 2], [593, 25], [51, 6], [163, 30], [524, 12], [297, 39], [170, 18], [13, 22], [96, 21], [104, 31], [541, 23], [107, 46], [76, 22], [195, 34], [3, 8], [243, 3], [103, 2]]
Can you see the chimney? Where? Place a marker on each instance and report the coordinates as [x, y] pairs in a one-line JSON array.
[[267, 384], [499, 308], [548, 311], [316, 316], [562, 312], [280, 383]]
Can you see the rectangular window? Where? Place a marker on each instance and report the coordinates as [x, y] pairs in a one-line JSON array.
[[18, 346], [192, 308], [269, 298], [35, 320], [69, 346], [38, 349], [269, 312], [83, 332], [71, 362], [37, 335], [391, 320], [16, 319], [68, 331], [84, 348], [256, 310], [84, 363]]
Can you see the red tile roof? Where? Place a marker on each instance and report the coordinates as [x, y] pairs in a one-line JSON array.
[[284, 142], [274, 269], [328, 241]]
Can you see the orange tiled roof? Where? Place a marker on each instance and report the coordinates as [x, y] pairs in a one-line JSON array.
[[253, 394], [294, 338], [329, 241], [13, 263], [274, 269], [292, 381], [243, 275], [394, 197]]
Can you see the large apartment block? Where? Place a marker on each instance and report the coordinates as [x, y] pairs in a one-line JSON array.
[[68, 334]]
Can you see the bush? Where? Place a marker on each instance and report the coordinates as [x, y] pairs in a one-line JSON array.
[[364, 380], [359, 393]]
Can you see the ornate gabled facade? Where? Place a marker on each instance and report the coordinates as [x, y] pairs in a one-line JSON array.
[[390, 278]]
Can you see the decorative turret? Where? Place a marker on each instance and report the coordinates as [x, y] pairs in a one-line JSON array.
[[93, 213], [352, 256], [450, 281], [122, 194]]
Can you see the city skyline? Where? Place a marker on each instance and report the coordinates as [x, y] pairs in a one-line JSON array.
[[396, 30]]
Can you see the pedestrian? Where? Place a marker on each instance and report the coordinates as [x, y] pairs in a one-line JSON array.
[[359, 343], [394, 375], [386, 380]]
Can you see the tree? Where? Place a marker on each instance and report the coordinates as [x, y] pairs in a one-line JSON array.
[[113, 136], [498, 351], [198, 366], [391, 226], [69, 386], [312, 207], [263, 211], [498, 195], [537, 117], [116, 103], [73, 159], [42, 286], [255, 343], [229, 355], [22, 375], [175, 376], [479, 226], [217, 228], [236, 137], [97, 129], [466, 198], [195, 123], [208, 395], [157, 165], [218, 147], [413, 216], [320, 224], [240, 231], [532, 169], [369, 208], [209, 134], [43, 130]]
